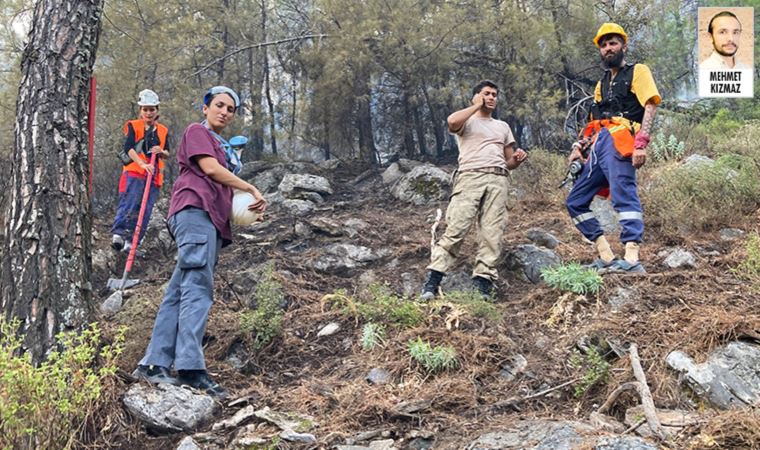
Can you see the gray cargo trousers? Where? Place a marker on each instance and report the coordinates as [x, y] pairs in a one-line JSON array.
[[177, 337]]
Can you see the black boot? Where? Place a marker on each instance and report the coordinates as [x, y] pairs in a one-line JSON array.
[[484, 286], [154, 375], [200, 380], [430, 288]]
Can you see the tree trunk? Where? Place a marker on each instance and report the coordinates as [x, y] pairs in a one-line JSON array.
[[47, 251], [436, 122], [257, 127], [367, 150], [419, 127], [267, 88], [407, 127]]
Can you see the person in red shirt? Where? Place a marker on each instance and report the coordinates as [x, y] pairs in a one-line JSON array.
[[199, 221]]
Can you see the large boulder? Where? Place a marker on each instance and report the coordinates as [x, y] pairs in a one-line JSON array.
[[392, 174], [730, 378], [555, 435], [422, 185], [529, 260], [342, 258], [293, 184], [167, 408]]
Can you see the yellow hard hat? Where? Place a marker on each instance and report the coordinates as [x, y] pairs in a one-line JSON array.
[[610, 28]]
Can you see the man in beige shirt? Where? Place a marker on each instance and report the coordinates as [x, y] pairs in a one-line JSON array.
[[480, 191]]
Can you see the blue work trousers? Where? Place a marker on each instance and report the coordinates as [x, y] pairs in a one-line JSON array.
[[177, 337], [606, 167], [129, 208]]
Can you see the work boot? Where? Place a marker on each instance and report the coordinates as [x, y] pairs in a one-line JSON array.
[[604, 250], [430, 288], [484, 286], [117, 242], [200, 380], [127, 247], [154, 375], [632, 252], [622, 265]]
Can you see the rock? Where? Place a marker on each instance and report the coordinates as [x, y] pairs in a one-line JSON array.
[[325, 226], [392, 174], [329, 164], [286, 421], [100, 260], [167, 408], [385, 444], [342, 258], [673, 421], [407, 165], [530, 259], [731, 234], [730, 378], [379, 376], [461, 280], [623, 443], [249, 437], [112, 304], [622, 297], [424, 184], [679, 258], [235, 421], [515, 365], [365, 279], [410, 285], [292, 436], [534, 434], [298, 207], [293, 183], [188, 444], [605, 214], [606, 423], [696, 161], [542, 238], [309, 196], [274, 198], [329, 329], [303, 230]]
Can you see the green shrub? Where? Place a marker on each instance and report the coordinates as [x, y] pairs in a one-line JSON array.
[[379, 304], [45, 406], [473, 302], [433, 359], [372, 336], [742, 142], [573, 278], [595, 369], [264, 323], [666, 149], [749, 269], [704, 195]]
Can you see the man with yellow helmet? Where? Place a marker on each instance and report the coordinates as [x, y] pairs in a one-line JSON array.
[[620, 121]]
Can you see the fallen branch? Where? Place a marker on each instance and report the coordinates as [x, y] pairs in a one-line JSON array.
[[615, 394], [514, 401], [433, 229], [646, 396]]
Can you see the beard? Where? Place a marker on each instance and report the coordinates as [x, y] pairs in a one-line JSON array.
[[613, 61], [722, 53]]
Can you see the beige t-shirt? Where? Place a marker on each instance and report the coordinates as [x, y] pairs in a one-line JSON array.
[[481, 143]]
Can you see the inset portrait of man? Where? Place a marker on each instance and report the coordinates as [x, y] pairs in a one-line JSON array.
[[725, 32]]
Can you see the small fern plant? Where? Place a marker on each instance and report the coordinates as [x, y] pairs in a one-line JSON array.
[[573, 278]]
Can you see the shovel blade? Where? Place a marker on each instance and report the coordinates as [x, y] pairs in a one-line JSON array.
[[114, 284]]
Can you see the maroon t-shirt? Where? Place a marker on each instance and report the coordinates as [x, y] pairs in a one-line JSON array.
[[195, 188]]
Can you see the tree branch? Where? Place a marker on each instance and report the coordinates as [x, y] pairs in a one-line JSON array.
[[259, 45]]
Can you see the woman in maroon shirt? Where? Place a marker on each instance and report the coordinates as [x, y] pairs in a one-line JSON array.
[[199, 220]]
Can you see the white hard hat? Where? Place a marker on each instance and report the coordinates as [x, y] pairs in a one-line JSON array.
[[148, 98]]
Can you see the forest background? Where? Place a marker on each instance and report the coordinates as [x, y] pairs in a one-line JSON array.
[[369, 80]]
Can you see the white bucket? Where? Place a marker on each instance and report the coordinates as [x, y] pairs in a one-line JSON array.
[[241, 215]]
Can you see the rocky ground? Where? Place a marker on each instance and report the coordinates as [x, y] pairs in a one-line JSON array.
[[524, 364]]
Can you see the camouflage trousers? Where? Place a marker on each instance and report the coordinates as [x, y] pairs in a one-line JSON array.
[[479, 198]]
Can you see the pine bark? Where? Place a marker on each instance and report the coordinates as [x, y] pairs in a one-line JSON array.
[[46, 262]]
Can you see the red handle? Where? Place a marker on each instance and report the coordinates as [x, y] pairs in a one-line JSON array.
[[138, 226]]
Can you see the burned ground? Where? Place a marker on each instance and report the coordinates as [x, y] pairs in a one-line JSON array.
[[694, 310]]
